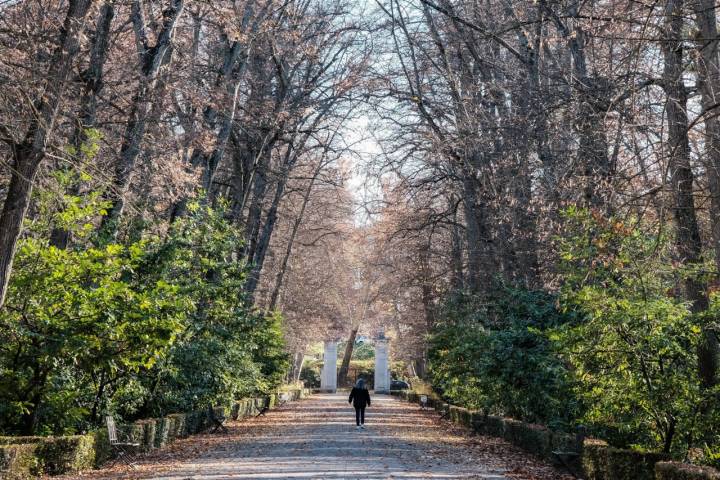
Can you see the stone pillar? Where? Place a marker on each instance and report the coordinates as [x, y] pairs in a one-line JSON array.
[[328, 379], [382, 368]]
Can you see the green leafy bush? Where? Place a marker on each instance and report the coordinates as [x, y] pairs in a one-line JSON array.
[[75, 322], [143, 329], [615, 350], [310, 375], [226, 350], [495, 356], [633, 345]]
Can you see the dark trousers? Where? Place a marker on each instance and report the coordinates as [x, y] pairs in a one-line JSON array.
[[360, 416]]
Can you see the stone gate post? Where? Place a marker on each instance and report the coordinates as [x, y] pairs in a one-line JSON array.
[[328, 378], [382, 366]]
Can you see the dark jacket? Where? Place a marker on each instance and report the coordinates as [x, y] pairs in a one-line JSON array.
[[359, 397]]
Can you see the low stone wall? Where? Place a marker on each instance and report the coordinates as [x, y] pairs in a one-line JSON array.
[[19, 462], [683, 471], [603, 462], [53, 455], [29, 457], [595, 459]]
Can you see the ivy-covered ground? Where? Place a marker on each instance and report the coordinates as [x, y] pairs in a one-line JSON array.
[[316, 438]]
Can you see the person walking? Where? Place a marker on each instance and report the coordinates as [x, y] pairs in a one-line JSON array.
[[360, 398]]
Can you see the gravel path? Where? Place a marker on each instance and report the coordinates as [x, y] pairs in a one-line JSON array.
[[316, 439]]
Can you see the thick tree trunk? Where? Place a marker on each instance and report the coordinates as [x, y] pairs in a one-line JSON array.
[[229, 80], [525, 234], [254, 219], [30, 152], [244, 170], [345, 366], [688, 241], [263, 242], [293, 233], [708, 68], [428, 299]]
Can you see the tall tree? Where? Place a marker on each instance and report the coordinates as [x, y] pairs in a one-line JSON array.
[[29, 152]]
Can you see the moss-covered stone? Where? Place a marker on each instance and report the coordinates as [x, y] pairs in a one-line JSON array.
[[461, 416], [178, 426], [59, 454], [146, 439], [532, 438], [162, 431], [490, 425], [19, 462], [595, 459], [684, 471], [103, 450], [20, 440], [602, 462], [171, 428], [67, 454], [633, 464], [242, 408]]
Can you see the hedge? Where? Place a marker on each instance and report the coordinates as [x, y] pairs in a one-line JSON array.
[[162, 431], [683, 471], [59, 454], [596, 459], [67, 454], [603, 462], [103, 450], [177, 428], [27, 457], [19, 462]]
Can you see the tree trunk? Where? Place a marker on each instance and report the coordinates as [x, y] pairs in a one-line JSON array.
[[708, 68], [472, 232], [263, 242], [30, 152], [296, 366], [252, 227], [456, 257], [93, 85], [152, 60], [293, 233], [688, 242], [228, 81], [590, 92], [345, 367]]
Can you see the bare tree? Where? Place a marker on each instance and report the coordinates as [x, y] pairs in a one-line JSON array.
[[29, 152]]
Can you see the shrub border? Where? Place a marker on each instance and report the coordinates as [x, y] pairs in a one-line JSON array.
[[596, 459], [27, 457]]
